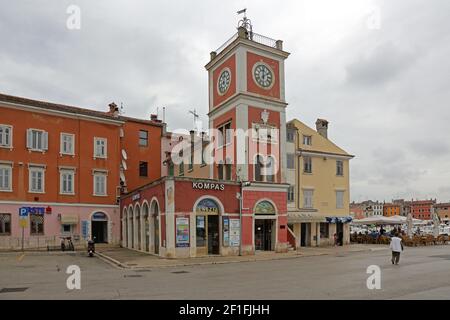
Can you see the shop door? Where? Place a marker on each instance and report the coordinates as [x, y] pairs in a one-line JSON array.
[[263, 234], [213, 235], [99, 231], [340, 233], [156, 239], [305, 234]]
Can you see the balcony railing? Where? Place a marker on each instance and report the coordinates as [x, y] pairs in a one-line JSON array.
[[258, 38]]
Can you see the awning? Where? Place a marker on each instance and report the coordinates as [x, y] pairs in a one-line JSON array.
[[69, 219], [299, 217], [346, 219]]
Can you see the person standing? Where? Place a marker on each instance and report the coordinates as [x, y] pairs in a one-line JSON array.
[[397, 247]]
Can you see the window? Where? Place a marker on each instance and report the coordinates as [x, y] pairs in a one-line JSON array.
[[99, 184], [36, 179], [339, 168], [143, 169], [265, 169], [200, 231], [143, 138], [224, 134], [67, 181], [290, 135], [100, 148], [220, 171], [307, 164], [181, 169], [37, 140], [5, 177], [291, 194], [171, 170], [66, 228], [5, 136], [36, 224], [324, 230], [307, 140], [67, 143], [228, 171], [5, 223], [339, 199], [308, 199], [291, 161]]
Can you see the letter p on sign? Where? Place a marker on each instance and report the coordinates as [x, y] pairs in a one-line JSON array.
[[374, 280]]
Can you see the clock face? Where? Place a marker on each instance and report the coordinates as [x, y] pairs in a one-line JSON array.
[[224, 81], [263, 75]]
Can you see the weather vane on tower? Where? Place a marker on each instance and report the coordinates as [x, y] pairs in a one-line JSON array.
[[245, 23]]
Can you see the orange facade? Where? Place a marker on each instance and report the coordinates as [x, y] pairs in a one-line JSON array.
[[390, 210], [82, 161], [141, 152]]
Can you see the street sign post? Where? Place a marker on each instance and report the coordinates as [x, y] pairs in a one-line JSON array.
[[23, 221]]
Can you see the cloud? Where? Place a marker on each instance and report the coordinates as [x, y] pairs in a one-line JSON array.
[[384, 91]]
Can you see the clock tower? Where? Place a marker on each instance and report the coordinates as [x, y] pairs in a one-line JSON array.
[[247, 118]]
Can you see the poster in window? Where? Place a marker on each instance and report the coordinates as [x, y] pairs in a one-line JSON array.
[[182, 229], [234, 232], [226, 231]]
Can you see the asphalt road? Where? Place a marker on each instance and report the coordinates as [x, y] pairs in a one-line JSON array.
[[423, 273]]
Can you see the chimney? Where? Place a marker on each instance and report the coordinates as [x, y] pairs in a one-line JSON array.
[[154, 117], [113, 109], [322, 127]]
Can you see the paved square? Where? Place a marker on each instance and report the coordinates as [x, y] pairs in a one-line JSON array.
[[423, 273]]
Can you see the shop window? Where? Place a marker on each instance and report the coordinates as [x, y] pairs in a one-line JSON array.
[[36, 224], [200, 231], [5, 223], [324, 230]]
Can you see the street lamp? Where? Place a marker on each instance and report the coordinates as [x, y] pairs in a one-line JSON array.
[[239, 195]]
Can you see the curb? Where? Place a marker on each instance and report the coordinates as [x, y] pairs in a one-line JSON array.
[[120, 265]]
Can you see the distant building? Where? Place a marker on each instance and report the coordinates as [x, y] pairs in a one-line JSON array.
[[372, 208], [421, 209], [391, 209], [443, 211], [405, 206], [357, 211]]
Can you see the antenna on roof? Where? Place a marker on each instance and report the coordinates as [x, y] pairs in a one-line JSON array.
[[195, 114], [121, 108]]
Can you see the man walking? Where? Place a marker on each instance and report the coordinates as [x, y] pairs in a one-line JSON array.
[[396, 247]]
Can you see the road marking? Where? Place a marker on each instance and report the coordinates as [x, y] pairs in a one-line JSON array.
[[20, 258]]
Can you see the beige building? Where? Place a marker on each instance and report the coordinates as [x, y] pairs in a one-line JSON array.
[[319, 193]]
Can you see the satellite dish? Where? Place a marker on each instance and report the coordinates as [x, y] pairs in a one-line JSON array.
[[124, 154], [124, 165], [122, 177]]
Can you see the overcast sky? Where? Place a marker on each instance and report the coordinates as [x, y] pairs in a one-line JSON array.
[[379, 71]]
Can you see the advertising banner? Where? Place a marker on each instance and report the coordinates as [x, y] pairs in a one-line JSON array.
[[182, 232], [235, 232]]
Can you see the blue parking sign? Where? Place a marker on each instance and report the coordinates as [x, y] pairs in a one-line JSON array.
[[23, 212]]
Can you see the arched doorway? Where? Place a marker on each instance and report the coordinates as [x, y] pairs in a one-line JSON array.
[[207, 227], [137, 227], [265, 226], [155, 220], [124, 228], [146, 233], [130, 228], [99, 231]]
